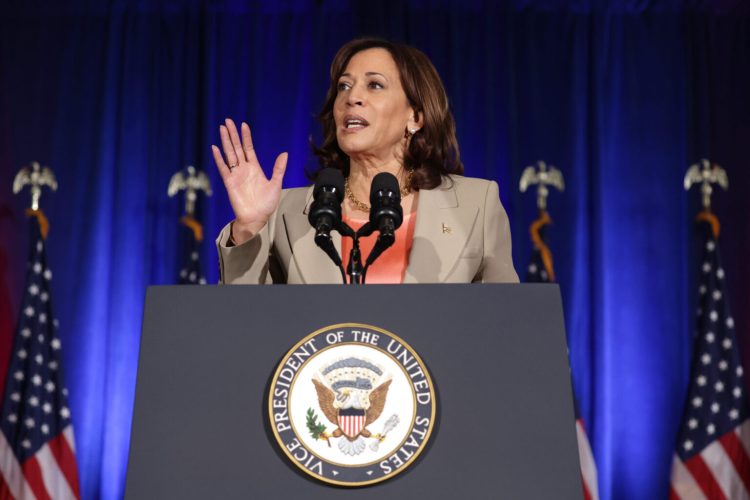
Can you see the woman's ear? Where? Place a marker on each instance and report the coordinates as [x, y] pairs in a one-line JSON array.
[[415, 123]]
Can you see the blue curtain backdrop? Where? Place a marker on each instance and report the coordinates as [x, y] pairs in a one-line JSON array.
[[622, 96]]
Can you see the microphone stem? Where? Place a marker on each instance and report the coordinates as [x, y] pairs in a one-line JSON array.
[[364, 273], [354, 268], [343, 274]]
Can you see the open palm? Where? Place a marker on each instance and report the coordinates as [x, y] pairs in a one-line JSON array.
[[253, 196]]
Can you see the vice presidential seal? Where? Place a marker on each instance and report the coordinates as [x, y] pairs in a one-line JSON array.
[[352, 404]]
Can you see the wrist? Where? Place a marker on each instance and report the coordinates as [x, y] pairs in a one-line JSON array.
[[240, 232]]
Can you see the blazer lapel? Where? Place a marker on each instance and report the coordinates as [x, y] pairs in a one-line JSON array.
[[440, 234], [312, 262]]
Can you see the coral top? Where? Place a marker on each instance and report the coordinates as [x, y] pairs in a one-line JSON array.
[[391, 265]]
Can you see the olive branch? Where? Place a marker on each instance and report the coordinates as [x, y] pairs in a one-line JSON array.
[[317, 429]]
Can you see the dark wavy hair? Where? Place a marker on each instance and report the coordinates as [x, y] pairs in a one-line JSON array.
[[433, 151]]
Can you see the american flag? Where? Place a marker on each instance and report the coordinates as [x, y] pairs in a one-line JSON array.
[[191, 271], [37, 450], [711, 455], [536, 271], [539, 271]]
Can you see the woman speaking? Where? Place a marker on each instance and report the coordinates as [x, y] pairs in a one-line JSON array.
[[386, 111]]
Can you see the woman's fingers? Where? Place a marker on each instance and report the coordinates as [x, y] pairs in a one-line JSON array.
[[223, 169], [247, 143], [226, 145], [279, 168], [235, 138]]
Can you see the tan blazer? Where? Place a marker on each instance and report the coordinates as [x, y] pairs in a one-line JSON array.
[[461, 236]]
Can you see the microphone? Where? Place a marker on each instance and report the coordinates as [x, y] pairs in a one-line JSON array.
[[325, 211], [386, 214]]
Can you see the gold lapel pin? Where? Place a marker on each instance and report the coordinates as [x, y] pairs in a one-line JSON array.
[[447, 229]]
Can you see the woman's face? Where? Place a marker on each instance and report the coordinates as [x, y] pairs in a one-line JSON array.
[[371, 110]]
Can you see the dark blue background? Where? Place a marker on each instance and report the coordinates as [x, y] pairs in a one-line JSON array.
[[622, 97]]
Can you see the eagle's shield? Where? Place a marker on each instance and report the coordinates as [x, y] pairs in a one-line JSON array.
[[351, 421]]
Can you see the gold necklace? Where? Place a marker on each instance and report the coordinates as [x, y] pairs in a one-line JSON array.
[[363, 207]]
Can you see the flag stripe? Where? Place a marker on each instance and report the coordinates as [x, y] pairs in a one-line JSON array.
[[54, 480], [33, 474], [588, 466], [70, 438], [743, 431], [683, 483], [586, 492], [5, 493], [736, 453], [724, 473], [65, 458], [11, 469], [704, 478]]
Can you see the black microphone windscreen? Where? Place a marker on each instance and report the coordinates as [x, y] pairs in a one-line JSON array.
[[384, 182], [330, 177]]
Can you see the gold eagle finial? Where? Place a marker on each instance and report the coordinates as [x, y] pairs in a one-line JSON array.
[[542, 176], [35, 176], [705, 173], [191, 181]]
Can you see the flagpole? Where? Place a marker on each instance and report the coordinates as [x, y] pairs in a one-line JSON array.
[[192, 182], [541, 176]]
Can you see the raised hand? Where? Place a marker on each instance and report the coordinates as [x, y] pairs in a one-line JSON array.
[[253, 197]]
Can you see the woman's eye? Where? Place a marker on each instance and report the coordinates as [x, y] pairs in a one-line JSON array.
[[376, 85], [342, 86]]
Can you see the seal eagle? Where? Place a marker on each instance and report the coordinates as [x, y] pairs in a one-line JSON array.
[[351, 403]]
